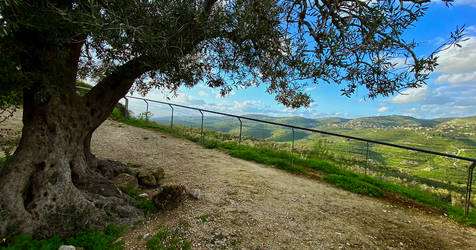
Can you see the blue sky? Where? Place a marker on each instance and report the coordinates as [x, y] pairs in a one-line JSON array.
[[451, 90]]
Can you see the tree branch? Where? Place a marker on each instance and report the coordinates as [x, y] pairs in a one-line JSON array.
[[113, 87]]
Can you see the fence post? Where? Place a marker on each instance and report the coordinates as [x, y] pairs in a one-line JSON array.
[[172, 118], [367, 159], [292, 151], [127, 108], [241, 126], [146, 110], [201, 129], [468, 188]]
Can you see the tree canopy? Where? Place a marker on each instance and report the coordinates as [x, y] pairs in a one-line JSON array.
[[223, 43]]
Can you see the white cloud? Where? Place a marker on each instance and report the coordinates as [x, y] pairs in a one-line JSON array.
[[310, 89], [202, 93], [457, 78], [456, 60], [401, 62], [383, 109], [444, 101], [411, 95], [471, 29], [248, 106], [471, 3]]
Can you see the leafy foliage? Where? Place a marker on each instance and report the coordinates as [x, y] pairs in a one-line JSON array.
[[174, 43]]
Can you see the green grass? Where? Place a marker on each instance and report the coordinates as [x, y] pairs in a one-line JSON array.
[[168, 240], [132, 191], [276, 158], [354, 184], [204, 218], [91, 240], [346, 179], [147, 206]]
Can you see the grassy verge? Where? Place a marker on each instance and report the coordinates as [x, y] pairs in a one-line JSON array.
[[345, 179], [91, 240]]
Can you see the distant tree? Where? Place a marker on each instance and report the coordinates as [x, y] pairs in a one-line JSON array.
[[46, 45]]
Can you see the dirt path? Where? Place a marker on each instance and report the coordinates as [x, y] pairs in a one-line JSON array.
[[253, 206]]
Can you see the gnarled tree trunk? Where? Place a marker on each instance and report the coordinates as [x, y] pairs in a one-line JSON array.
[[53, 183]]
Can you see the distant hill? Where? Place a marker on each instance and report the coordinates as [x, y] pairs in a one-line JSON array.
[[390, 121], [464, 121], [328, 121], [336, 124]]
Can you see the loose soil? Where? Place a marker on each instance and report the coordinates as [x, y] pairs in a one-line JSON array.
[[253, 206]]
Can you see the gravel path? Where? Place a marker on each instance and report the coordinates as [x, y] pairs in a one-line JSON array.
[[254, 206]]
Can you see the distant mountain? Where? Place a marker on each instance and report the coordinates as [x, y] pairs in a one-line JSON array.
[[278, 133], [389, 121], [328, 121], [299, 121]]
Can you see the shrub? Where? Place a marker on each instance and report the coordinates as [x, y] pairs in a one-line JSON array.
[[119, 112], [132, 191], [147, 206]]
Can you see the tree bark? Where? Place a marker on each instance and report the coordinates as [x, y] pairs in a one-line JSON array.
[[53, 183]]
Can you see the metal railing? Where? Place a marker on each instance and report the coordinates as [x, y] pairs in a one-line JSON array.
[[366, 141]]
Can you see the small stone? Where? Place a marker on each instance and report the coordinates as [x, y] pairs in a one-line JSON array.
[[124, 181], [148, 180], [143, 195], [401, 244], [67, 247], [445, 215], [195, 193], [147, 235]]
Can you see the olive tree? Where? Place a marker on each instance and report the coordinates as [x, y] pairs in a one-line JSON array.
[[53, 180]]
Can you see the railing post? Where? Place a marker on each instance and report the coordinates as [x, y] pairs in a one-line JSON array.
[[201, 129], [146, 110], [468, 188], [292, 151], [367, 159], [172, 118], [127, 108], [241, 126]]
